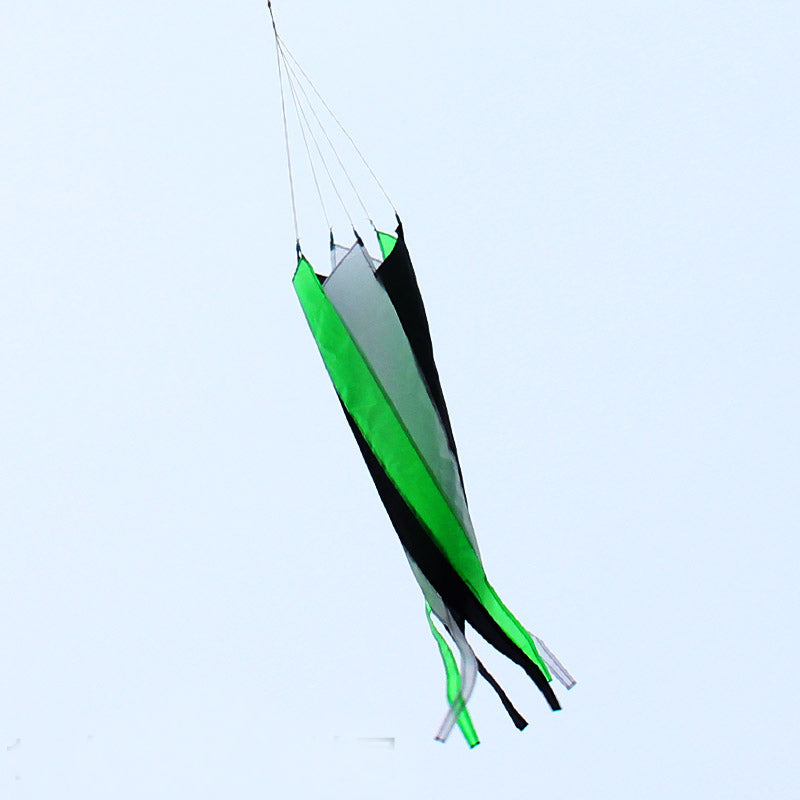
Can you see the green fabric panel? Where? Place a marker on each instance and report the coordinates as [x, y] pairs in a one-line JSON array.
[[453, 682], [387, 242], [364, 398]]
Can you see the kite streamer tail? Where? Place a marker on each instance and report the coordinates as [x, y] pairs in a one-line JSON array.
[[469, 673], [455, 696], [556, 667], [519, 721]]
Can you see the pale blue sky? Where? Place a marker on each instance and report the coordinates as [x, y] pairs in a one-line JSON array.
[[202, 594]]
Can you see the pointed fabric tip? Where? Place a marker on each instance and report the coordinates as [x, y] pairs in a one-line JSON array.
[[520, 723], [386, 242]]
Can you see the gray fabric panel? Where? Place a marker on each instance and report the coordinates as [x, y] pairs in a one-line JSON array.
[[337, 254], [556, 667], [369, 315]]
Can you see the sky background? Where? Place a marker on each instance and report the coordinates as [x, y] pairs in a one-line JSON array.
[[202, 594]]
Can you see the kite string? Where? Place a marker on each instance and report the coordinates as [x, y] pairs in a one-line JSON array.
[[287, 64], [303, 124], [285, 131], [295, 86], [296, 81], [341, 127]]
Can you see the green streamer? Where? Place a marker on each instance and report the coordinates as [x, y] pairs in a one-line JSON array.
[[453, 682]]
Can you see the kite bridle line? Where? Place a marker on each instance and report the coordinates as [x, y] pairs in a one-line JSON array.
[[286, 134], [302, 122], [306, 126], [341, 127], [296, 78], [290, 71]]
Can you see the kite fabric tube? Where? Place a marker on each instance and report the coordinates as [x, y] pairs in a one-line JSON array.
[[370, 326]]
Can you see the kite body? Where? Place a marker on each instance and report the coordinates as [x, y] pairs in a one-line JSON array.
[[370, 325]]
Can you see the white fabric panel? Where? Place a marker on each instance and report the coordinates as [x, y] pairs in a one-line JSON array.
[[369, 315]]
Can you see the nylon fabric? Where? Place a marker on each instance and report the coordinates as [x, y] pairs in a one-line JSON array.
[[469, 663], [374, 415], [387, 242], [337, 254], [453, 683], [469, 673], [397, 276], [368, 314], [456, 621], [455, 593], [558, 670]]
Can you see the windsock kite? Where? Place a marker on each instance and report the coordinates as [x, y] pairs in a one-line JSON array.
[[369, 323]]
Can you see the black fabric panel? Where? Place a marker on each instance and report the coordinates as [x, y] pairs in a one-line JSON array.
[[517, 718], [396, 273], [440, 572]]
